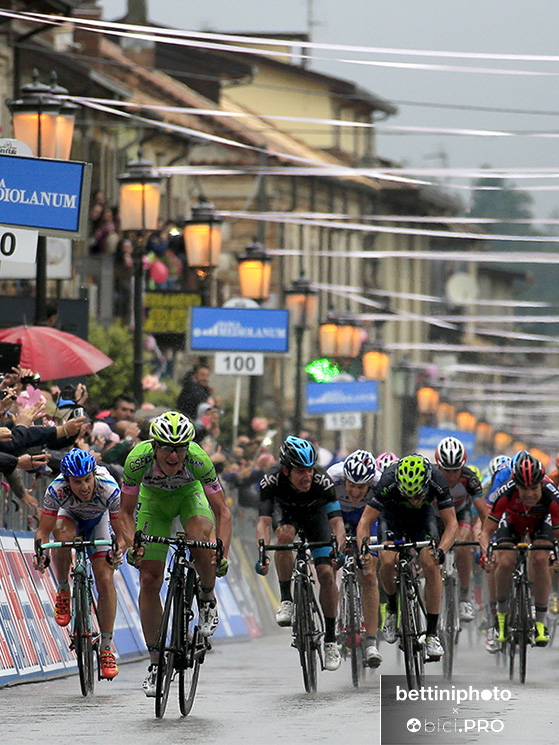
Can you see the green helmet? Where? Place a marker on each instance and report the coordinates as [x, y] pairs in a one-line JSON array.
[[172, 428], [412, 473]]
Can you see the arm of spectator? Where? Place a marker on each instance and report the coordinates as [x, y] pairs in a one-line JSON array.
[[27, 416], [16, 484], [28, 462], [70, 428], [5, 434], [81, 395]]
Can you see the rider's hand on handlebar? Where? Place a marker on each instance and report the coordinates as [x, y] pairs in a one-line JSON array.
[[222, 567], [338, 559], [134, 556], [261, 569]]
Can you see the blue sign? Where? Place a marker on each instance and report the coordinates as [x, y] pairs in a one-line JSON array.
[[239, 329], [48, 195], [429, 438], [356, 395]]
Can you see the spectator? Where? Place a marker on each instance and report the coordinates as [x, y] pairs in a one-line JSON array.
[[123, 408], [195, 390]]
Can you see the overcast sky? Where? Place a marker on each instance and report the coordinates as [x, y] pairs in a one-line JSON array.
[[511, 27]]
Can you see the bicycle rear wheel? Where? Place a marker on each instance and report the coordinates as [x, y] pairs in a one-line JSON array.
[[353, 629], [194, 649], [83, 640], [448, 629], [304, 632], [512, 631], [167, 645]]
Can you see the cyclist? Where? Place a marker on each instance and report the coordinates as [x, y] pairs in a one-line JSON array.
[[526, 503], [353, 479], [495, 465], [384, 460], [502, 475], [465, 488], [402, 502], [165, 477], [84, 499], [298, 495]]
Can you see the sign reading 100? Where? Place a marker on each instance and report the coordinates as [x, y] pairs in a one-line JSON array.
[[239, 363]]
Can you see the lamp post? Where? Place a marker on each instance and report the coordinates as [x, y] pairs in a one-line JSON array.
[[339, 337], [139, 211], [202, 242], [301, 301], [46, 124]]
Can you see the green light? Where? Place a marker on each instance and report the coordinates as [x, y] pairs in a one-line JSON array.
[[322, 370]]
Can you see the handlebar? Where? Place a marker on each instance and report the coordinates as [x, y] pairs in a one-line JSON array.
[[179, 541], [523, 547], [295, 546]]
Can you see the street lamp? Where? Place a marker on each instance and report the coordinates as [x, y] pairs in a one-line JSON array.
[[139, 211], [375, 365], [46, 124], [255, 271], [202, 242], [339, 337], [465, 421], [301, 302]]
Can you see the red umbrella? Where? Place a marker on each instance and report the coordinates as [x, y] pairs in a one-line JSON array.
[[54, 353]]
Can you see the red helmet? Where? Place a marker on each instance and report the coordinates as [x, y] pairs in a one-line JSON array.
[[528, 471]]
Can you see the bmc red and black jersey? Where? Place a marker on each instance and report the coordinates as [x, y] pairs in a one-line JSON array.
[[522, 518], [468, 488], [275, 487]]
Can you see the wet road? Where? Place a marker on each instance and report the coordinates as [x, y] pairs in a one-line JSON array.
[[251, 692]]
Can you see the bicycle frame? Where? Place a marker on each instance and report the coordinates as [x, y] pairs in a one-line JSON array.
[[350, 618], [181, 647], [411, 609], [84, 624], [308, 622]]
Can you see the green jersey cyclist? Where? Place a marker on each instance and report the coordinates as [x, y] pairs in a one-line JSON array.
[[166, 477]]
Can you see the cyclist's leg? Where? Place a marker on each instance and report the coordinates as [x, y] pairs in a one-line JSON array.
[[504, 564], [388, 532], [157, 522], [464, 559], [370, 597], [285, 529], [66, 529], [104, 577], [540, 577]]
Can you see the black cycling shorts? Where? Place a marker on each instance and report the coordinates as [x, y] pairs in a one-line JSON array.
[[313, 524], [408, 524]]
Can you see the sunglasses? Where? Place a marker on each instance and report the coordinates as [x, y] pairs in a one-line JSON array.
[[179, 449]]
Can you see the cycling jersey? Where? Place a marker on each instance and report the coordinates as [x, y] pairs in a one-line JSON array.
[[91, 518], [500, 478], [351, 512], [509, 505], [387, 495], [106, 497], [309, 512], [468, 488], [162, 498]]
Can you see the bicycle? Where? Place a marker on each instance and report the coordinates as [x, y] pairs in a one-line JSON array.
[[84, 632], [520, 622], [350, 616], [307, 622], [449, 617], [181, 647], [411, 608]]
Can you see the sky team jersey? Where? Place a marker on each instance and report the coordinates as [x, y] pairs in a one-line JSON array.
[[141, 473], [351, 512], [106, 496], [507, 501], [275, 486], [387, 495]]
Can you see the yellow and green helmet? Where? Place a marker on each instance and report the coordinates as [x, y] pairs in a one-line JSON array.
[[172, 428], [412, 474]]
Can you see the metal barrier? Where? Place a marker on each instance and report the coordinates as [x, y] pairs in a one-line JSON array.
[[14, 515]]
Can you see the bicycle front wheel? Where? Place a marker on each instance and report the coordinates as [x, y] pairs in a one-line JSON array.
[[411, 630], [353, 626], [448, 629], [304, 632], [167, 645], [524, 628], [194, 649], [83, 638]]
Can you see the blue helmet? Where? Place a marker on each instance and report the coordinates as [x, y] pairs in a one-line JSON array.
[[77, 463], [517, 455], [296, 453], [360, 467]]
